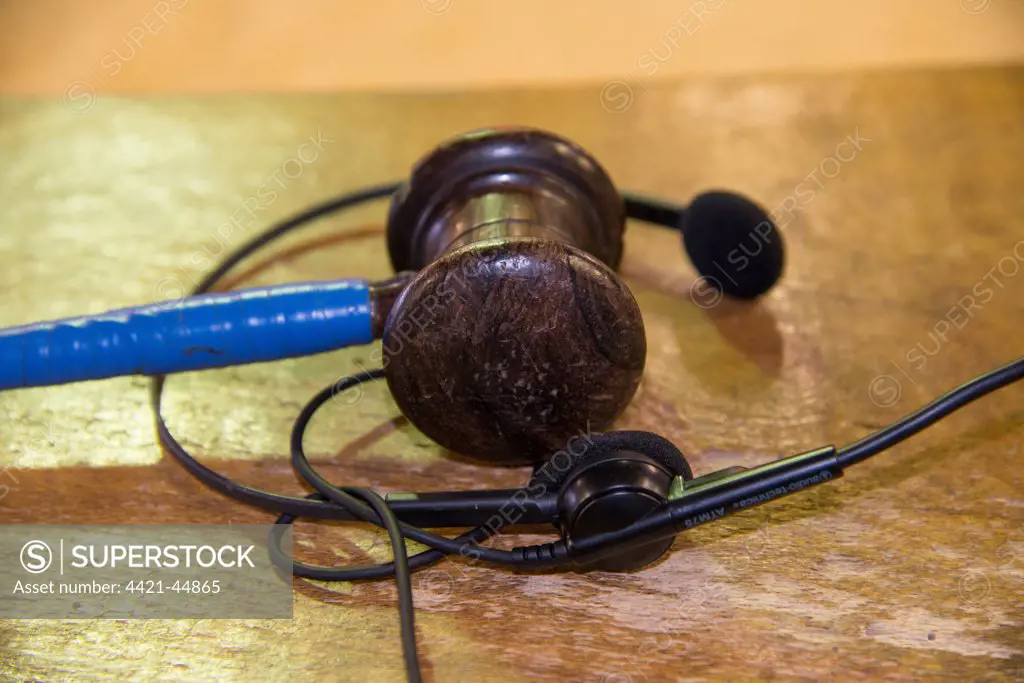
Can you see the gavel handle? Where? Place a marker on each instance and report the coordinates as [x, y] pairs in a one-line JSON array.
[[195, 333]]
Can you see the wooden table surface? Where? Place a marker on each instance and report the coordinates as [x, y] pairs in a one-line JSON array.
[[900, 199]]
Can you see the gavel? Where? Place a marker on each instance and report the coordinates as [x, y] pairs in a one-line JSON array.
[[506, 330], [516, 333]]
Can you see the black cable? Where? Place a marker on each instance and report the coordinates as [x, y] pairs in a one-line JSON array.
[[349, 498], [383, 570], [349, 200], [403, 581], [343, 496], [931, 413], [400, 568], [406, 611], [656, 211]]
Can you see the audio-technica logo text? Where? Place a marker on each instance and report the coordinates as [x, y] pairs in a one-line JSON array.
[[37, 556]]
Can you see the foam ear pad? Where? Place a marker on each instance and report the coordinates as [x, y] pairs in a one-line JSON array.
[[553, 473], [733, 243]]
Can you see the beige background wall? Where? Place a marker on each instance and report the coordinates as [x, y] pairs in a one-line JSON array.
[[202, 45]]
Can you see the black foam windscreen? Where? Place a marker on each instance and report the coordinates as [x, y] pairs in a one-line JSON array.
[[733, 243]]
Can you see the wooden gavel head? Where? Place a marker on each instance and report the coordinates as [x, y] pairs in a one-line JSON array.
[[516, 335]]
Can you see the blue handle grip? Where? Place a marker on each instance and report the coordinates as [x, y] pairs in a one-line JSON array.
[[208, 331]]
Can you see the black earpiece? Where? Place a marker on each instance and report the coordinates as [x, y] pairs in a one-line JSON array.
[[613, 480], [610, 492]]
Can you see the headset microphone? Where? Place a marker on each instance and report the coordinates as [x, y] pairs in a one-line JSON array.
[[617, 503], [505, 331], [619, 510]]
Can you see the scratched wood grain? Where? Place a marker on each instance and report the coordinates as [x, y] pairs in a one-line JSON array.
[[900, 198]]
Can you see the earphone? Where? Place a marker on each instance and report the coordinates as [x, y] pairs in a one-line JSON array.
[[505, 245]]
